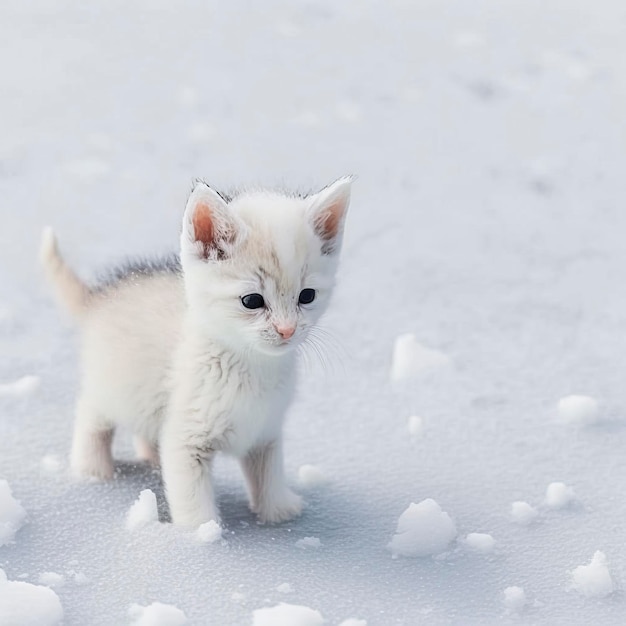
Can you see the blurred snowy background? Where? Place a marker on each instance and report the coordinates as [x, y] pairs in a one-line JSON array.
[[488, 220]]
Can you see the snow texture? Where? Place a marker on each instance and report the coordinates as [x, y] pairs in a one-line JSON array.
[[287, 615], [353, 622], [311, 476], [284, 588], [309, 542], [209, 532], [22, 387], [51, 579], [23, 604], [578, 409], [156, 614], [415, 424], [559, 495], [523, 513], [514, 598], [412, 359], [12, 514], [593, 580], [487, 220], [143, 511], [480, 542], [423, 530]]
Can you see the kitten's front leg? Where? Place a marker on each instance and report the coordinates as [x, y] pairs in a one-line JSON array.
[[270, 497], [188, 484]]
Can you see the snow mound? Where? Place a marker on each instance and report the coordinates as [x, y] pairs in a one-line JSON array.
[[156, 614], [411, 359], [12, 514], [23, 604], [480, 542], [284, 588], [22, 387], [522, 513], [353, 622], [559, 495], [209, 532], [423, 529], [311, 476], [51, 579], [309, 542], [593, 580], [578, 409], [415, 425], [143, 511], [287, 615], [514, 598]]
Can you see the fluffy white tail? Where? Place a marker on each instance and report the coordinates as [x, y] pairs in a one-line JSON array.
[[70, 290]]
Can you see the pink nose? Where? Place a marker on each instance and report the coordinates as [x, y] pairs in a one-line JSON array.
[[286, 332]]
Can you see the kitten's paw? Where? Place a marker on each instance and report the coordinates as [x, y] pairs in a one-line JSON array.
[[280, 507]]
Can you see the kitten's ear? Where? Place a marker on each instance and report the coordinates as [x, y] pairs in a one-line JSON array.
[[328, 212], [210, 231]]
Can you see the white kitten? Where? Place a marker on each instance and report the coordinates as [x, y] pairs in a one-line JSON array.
[[198, 357]]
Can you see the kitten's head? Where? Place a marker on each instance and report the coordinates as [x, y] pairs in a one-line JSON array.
[[259, 269]]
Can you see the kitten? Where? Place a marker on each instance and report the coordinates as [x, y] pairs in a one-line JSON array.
[[197, 356]]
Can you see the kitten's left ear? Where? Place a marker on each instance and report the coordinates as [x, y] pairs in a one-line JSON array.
[[328, 213]]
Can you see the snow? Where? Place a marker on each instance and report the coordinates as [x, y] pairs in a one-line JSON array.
[[51, 579], [523, 513], [415, 425], [487, 221], [423, 530], [514, 598], [12, 514], [311, 476], [51, 464], [287, 615], [411, 359], [353, 622], [284, 588], [309, 542], [21, 387], [157, 614], [23, 604], [559, 495], [593, 580], [578, 409], [480, 542], [143, 511], [209, 532]]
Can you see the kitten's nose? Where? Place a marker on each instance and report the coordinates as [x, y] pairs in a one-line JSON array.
[[286, 332]]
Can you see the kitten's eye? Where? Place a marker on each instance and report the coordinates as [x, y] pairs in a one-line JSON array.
[[253, 301], [306, 296]]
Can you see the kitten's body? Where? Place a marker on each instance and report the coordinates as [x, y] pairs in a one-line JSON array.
[[170, 352]]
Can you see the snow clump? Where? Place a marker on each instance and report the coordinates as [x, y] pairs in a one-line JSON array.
[[423, 530], [480, 542], [578, 409], [51, 579], [21, 387], [311, 476], [209, 532], [411, 359], [522, 513], [514, 598], [143, 511], [156, 614], [23, 604], [287, 615], [12, 514], [559, 495], [593, 580]]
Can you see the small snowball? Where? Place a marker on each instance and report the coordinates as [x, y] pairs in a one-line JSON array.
[[578, 409], [415, 425], [514, 598], [209, 532], [23, 604], [287, 615], [51, 464], [311, 476], [284, 588], [22, 387], [156, 614], [480, 542], [12, 514], [309, 542], [593, 580], [411, 359], [143, 511], [353, 622], [423, 529], [559, 495], [51, 579], [522, 513]]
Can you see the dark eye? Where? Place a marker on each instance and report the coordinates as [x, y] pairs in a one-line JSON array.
[[253, 301], [306, 296]]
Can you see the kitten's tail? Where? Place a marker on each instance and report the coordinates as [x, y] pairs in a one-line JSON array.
[[70, 290]]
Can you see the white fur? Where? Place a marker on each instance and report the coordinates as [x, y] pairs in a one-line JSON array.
[[186, 366]]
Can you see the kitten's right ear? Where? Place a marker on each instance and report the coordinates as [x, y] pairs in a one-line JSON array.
[[210, 231]]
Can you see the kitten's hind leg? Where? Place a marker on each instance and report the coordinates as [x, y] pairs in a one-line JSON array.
[[270, 497], [146, 451], [91, 446]]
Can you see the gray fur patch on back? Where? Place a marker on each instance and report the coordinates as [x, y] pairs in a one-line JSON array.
[[135, 268]]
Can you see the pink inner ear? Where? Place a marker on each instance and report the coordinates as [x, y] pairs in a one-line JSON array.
[[203, 224], [330, 220]]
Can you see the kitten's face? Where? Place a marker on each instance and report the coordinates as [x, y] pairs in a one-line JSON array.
[[259, 271]]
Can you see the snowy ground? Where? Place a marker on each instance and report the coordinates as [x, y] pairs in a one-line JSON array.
[[488, 220]]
